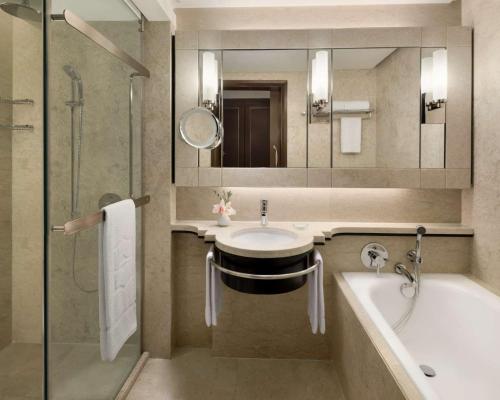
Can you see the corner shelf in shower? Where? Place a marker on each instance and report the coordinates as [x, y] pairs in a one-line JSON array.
[[17, 127], [28, 102]]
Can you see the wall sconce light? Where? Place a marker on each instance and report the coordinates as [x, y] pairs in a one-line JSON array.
[[434, 79], [209, 80], [320, 81]]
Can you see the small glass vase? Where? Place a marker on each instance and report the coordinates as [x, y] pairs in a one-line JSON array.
[[223, 220]]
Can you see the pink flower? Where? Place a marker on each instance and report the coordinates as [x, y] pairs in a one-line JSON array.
[[223, 209]]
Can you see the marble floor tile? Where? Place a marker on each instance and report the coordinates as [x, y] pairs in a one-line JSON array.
[[21, 376], [193, 374]]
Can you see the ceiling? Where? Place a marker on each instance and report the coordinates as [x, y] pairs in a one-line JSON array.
[[293, 3]]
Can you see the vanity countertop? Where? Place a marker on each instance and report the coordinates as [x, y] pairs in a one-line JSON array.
[[319, 232]]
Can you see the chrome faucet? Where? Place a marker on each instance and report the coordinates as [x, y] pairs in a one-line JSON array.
[[415, 256], [264, 220]]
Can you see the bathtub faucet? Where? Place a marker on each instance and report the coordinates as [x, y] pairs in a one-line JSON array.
[[412, 287], [415, 256]]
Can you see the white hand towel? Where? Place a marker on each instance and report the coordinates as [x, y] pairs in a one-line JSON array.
[[316, 299], [350, 135], [208, 286], [117, 278], [321, 293], [312, 285], [213, 290]]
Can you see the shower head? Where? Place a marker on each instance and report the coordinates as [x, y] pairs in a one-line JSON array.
[[23, 10], [72, 72], [76, 84]]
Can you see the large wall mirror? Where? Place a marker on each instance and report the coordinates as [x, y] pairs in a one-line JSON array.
[[356, 108]]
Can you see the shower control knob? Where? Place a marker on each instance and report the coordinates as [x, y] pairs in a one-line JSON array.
[[374, 256]]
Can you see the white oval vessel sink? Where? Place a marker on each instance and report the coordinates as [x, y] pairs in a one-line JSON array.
[[264, 237], [264, 242]]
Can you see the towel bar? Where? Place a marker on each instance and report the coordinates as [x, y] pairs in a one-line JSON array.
[[83, 223], [364, 114], [266, 277]]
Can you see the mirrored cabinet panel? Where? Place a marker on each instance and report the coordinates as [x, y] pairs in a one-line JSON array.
[[379, 108], [376, 108], [434, 94], [264, 108]]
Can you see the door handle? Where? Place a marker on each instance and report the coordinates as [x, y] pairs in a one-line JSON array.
[[276, 157]]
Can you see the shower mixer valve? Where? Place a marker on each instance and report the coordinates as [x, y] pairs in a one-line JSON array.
[[374, 256]]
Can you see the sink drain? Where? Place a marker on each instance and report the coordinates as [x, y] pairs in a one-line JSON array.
[[428, 371]]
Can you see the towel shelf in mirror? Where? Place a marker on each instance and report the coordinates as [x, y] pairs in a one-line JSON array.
[[90, 220], [365, 114]]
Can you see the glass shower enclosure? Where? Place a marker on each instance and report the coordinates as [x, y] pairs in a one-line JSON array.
[[94, 79], [70, 143]]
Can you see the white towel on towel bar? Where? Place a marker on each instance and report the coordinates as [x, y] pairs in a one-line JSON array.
[[213, 294], [350, 135], [316, 296], [117, 278]]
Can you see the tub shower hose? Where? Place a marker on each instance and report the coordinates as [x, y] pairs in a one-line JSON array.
[[401, 322]]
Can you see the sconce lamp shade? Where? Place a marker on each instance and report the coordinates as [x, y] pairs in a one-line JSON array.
[[319, 76], [210, 77], [440, 75], [427, 71]]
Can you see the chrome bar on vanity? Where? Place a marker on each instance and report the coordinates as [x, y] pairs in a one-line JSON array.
[[83, 223], [266, 277], [97, 37]]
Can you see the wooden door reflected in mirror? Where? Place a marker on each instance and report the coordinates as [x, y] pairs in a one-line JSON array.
[[255, 126]]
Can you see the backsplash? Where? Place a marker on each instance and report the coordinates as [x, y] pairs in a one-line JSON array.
[[368, 205]]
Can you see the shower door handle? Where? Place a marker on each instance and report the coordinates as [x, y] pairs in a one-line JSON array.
[[276, 156]]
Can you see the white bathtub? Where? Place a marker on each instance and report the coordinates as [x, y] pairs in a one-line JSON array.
[[455, 329]]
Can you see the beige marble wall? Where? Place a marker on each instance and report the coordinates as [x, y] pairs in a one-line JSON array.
[[398, 110], [481, 203], [352, 85], [277, 326], [318, 17], [157, 288], [5, 182], [382, 205]]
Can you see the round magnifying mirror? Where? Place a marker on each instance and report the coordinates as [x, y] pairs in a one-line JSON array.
[[200, 128]]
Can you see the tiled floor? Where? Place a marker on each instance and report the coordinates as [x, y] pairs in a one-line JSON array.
[[77, 372], [193, 374], [21, 369]]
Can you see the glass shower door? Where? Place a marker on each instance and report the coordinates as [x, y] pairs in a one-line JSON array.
[[21, 202], [94, 144]]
